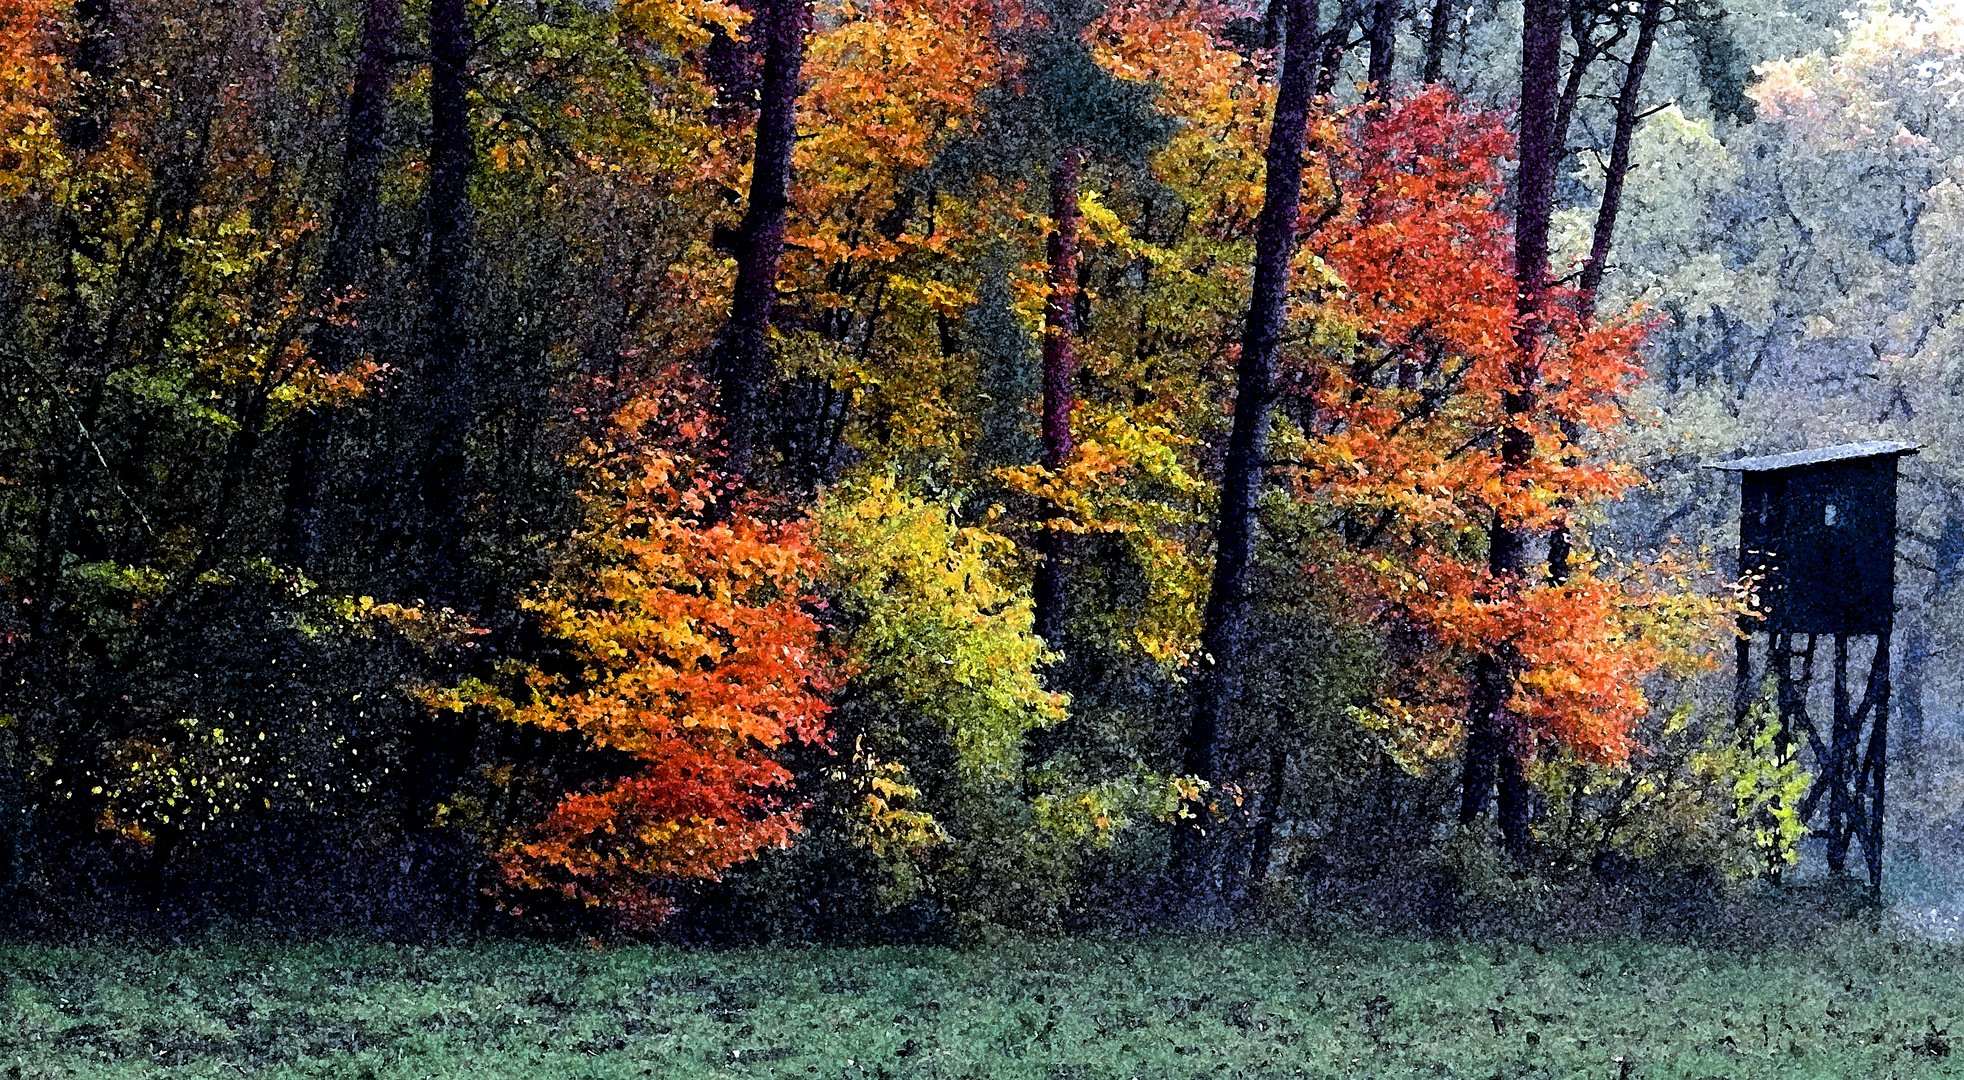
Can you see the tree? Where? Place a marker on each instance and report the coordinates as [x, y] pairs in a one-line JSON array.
[[345, 268], [1235, 531], [1064, 111], [692, 659], [450, 377], [946, 687], [1059, 376], [1417, 438], [1384, 44], [1016, 312], [1436, 29], [1617, 170], [1497, 746]]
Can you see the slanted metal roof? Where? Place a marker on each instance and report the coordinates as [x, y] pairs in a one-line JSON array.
[[1817, 456]]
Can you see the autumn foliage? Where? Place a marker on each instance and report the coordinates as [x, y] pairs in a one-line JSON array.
[[279, 463], [1402, 413], [32, 78], [692, 659]]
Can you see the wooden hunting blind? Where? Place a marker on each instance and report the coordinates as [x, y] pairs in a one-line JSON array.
[[1817, 532]]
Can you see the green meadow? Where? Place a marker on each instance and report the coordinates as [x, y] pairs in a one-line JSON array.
[[1852, 1005]]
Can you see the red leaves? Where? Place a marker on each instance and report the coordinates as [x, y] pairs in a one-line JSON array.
[[1405, 394], [1406, 414], [699, 661]]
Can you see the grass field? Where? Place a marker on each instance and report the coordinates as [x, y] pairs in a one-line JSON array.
[[1178, 1008]]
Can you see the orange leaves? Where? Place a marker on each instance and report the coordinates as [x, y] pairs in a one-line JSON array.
[[1178, 47], [1404, 390], [1582, 656], [32, 80], [889, 88], [697, 659], [674, 25], [1404, 395]]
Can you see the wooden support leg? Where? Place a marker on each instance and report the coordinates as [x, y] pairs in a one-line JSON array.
[[1875, 766], [1744, 692], [1835, 772]]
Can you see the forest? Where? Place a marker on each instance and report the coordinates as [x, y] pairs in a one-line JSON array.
[[912, 470]]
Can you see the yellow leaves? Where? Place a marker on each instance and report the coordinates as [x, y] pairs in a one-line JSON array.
[[885, 822], [1103, 227], [889, 87], [940, 297], [186, 777], [1418, 735], [470, 693], [510, 154], [1095, 815], [425, 628], [307, 385], [934, 627], [676, 25], [1128, 477]]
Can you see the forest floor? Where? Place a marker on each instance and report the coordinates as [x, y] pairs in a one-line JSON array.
[[1854, 1005]]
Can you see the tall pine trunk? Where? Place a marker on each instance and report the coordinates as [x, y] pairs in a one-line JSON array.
[[1384, 45], [743, 363], [357, 206], [1497, 746], [1434, 68], [1561, 548], [1335, 42], [450, 378], [1224, 625], [1059, 381]]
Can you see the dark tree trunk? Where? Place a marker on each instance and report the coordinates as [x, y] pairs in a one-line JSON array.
[[436, 754], [1588, 49], [743, 363], [1335, 42], [356, 208], [1384, 45], [1628, 108], [450, 376], [450, 379], [1059, 381], [734, 68], [1272, 25], [1496, 746], [1435, 41], [92, 58], [1261, 849], [1225, 621], [1561, 551], [1917, 656], [357, 203]]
